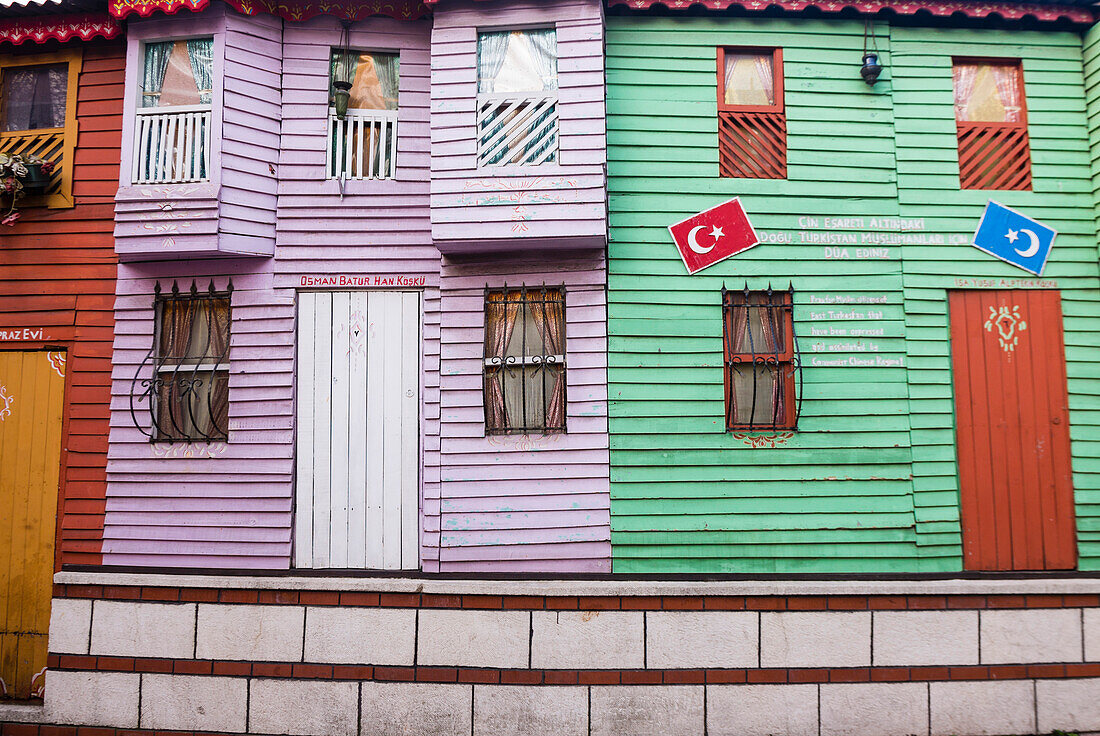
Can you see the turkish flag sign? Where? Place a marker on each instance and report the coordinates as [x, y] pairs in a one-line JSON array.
[[713, 235]]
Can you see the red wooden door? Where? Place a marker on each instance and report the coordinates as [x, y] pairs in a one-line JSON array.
[[1012, 430]]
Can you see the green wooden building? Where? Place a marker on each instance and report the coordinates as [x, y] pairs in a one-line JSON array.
[[937, 407]]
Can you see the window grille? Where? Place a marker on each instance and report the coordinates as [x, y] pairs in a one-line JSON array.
[[991, 122], [524, 371], [517, 98], [186, 396], [752, 123], [763, 367], [364, 144]]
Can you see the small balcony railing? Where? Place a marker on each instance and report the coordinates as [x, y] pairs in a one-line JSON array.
[[172, 147], [517, 129], [363, 145], [49, 144]]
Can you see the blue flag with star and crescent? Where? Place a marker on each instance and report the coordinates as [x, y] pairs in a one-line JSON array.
[[1014, 238]]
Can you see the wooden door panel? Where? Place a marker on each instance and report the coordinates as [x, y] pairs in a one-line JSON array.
[[1012, 430], [31, 400], [358, 430]]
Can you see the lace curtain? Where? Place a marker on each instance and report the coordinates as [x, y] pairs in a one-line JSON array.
[[156, 65], [756, 393], [749, 79], [35, 96], [200, 52], [989, 93]]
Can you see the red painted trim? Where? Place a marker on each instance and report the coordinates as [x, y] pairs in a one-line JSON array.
[[40, 29], [575, 603], [293, 10], [780, 675], [941, 8]]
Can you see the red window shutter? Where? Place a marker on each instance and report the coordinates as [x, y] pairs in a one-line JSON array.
[[752, 145], [994, 156]]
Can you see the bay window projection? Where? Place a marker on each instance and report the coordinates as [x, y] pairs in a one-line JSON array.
[[362, 143], [172, 131], [517, 97], [991, 121], [524, 373]]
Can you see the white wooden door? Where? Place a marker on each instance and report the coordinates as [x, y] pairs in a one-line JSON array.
[[358, 446]]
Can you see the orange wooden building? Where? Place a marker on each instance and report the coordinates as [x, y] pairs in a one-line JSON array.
[[61, 84]]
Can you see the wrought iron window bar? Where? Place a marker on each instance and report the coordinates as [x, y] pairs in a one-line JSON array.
[[545, 365], [178, 373], [785, 358]]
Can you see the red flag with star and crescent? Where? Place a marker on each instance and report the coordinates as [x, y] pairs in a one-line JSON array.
[[713, 235]]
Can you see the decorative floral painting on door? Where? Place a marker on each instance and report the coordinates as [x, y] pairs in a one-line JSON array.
[[31, 387]]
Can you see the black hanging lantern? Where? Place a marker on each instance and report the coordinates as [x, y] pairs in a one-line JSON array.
[[871, 69], [342, 72]]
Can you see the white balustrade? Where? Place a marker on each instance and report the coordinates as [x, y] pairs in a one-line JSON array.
[[172, 147], [517, 129], [363, 145]]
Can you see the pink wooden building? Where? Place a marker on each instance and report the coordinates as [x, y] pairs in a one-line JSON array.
[[361, 314]]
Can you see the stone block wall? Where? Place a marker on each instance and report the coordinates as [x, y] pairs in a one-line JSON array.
[[368, 656]]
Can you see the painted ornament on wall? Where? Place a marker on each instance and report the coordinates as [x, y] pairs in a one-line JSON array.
[[1014, 238], [1007, 324], [713, 235]]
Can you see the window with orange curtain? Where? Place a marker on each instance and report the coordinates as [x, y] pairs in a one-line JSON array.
[[761, 360], [752, 123], [524, 372], [991, 122]]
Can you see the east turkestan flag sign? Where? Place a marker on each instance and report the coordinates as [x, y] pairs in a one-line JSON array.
[[1014, 238]]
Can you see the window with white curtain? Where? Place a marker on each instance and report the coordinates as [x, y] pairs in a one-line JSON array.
[[172, 135], [517, 87]]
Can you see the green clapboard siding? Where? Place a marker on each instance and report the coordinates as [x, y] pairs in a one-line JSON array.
[[869, 221]]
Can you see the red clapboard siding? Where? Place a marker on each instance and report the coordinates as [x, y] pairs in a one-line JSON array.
[[1012, 416], [57, 272]]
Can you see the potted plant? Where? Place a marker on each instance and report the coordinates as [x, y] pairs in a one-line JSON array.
[[22, 174]]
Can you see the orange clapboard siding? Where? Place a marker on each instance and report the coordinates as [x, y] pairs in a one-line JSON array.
[[51, 256], [31, 388], [1012, 429]]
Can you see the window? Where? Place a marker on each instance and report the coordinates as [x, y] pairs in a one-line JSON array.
[[38, 119], [364, 144], [191, 383], [761, 358], [517, 98], [34, 97], [991, 119], [524, 387], [172, 134], [752, 125]]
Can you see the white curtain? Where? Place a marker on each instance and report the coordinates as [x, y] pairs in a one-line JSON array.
[[544, 50], [201, 53], [387, 66], [156, 64], [491, 48]]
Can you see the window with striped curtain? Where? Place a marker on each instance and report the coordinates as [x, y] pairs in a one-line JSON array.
[[752, 123], [991, 120]]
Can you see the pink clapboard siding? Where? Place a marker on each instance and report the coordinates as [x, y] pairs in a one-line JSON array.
[[551, 205], [517, 503], [230, 506], [487, 504]]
